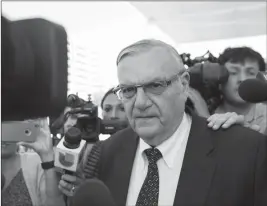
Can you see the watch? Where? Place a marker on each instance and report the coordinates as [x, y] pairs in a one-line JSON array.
[[48, 165]]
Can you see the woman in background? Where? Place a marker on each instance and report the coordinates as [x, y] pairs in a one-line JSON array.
[[112, 107]]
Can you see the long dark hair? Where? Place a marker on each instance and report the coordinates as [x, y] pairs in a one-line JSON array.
[[110, 91]]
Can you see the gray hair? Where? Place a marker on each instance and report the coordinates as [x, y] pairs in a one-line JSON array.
[[145, 45]]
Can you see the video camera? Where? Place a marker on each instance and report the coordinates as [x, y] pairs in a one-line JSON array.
[[206, 74], [34, 69], [88, 121]]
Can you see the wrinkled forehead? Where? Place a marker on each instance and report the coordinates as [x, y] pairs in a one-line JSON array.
[[148, 65]]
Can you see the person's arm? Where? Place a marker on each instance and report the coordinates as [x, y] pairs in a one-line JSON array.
[[49, 194], [88, 168]]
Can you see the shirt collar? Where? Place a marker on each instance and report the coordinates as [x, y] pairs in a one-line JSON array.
[[170, 148]]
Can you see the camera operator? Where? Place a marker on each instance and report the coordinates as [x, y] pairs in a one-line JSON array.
[[25, 181], [242, 63], [112, 109]]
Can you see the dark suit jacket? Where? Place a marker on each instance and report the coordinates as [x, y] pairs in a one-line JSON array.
[[220, 168]]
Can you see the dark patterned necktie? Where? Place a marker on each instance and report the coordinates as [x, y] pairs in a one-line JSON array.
[[149, 193]]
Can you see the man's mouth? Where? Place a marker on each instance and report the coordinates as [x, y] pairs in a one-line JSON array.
[[144, 117]]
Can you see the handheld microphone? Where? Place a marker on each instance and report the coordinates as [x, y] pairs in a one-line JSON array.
[[69, 149], [253, 90], [92, 192]]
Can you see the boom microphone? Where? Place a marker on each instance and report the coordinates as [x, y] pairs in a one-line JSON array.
[[92, 192], [253, 90]]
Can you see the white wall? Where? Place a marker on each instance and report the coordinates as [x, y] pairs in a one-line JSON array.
[[102, 29], [257, 43]]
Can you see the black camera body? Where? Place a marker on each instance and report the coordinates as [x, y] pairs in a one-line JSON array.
[[206, 75], [88, 121], [34, 69]]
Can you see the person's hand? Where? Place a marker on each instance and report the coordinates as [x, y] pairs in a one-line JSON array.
[[68, 184], [200, 105], [43, 145], [228, 119]]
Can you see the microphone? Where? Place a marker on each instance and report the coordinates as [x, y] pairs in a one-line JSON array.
[[69, 149], [253, 90], [92, 192]]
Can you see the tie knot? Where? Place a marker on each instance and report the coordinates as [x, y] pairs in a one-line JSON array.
[[153, 155]]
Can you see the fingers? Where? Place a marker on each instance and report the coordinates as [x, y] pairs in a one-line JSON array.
[[212, 121], [26, 144], [43, 123], [68, 184], [230, 121], [65, 185], [224, 120], [256, 127], [69, 178], [66, 188]]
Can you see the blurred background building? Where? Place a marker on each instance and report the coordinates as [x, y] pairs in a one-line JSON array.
[[97, 31]]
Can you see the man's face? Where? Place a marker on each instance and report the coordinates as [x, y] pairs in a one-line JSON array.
[[238, 72], [154, 117]]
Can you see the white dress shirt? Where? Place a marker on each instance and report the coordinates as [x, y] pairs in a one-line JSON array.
[[172, 150]]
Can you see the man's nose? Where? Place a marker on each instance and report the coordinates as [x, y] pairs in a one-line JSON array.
[[141, 99], [114, 114]]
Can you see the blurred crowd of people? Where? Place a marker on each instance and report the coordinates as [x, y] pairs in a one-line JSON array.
[[26, 182]]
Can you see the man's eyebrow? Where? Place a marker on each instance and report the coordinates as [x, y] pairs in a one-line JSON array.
[[250, 68], [148, 82], [234, 67]]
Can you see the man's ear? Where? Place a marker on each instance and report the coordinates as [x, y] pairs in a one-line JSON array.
[[185, 80]]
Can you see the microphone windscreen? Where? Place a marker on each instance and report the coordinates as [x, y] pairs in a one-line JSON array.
[[92, 192], [253, 90]]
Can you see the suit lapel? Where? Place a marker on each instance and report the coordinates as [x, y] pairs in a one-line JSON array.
[[198, 166], [123, 167]]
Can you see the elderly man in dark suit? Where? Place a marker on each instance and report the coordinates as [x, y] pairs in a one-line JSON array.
[[169, 156]]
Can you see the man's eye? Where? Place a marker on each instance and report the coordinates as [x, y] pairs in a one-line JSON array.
[[154, 85], [233, 73], [107, 109], [127, 89]]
